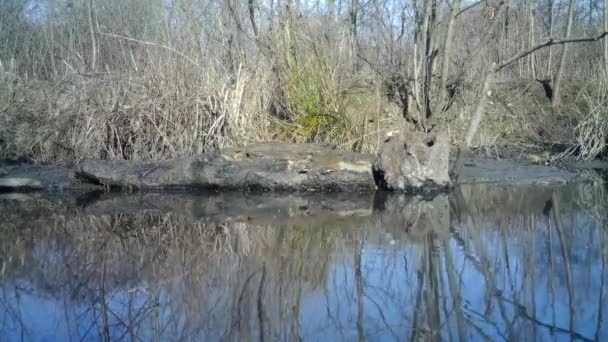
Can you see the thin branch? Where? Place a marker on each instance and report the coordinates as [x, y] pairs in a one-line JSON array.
[[468, 7], [189, 59], [489, 32], [547, 43]]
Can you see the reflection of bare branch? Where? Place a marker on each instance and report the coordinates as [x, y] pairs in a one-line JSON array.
[[159, 275], [601, 300], [480, 331], [532, 269], [565, 255], [417, 308], [483, 318], [261, 304], [522, 313], [435, 318], [359, 289], [106, 324], [454, 290], [486, 271], [384, 321]]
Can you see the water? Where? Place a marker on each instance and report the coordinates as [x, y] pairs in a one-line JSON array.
[[484, 263]]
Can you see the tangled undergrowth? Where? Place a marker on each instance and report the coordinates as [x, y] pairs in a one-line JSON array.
[[592, 131], [147, 80], [166, 112]]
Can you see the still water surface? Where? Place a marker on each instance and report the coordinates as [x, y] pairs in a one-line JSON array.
[[484, 263]]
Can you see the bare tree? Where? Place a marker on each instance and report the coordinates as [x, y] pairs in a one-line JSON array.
[[353, 16], [51, 38], [550, 18], [425, 53], [531, 37], [252, 6], [557, 84], [428, 57], [447, 46], [606, 38], [93, 62], [271, 17], [487, 91]]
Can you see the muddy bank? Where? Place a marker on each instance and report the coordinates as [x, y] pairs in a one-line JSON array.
[[510, 171], [355, 174]]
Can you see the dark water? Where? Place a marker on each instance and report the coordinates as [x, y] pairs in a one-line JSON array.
[[484, 263]]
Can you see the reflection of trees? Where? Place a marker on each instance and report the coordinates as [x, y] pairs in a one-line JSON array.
[[164, 275], [418, 269], [526, 238]]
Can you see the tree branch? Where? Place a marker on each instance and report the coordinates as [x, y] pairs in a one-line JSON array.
[[143, 42], [468, 7], [499, 10], [547, 43]]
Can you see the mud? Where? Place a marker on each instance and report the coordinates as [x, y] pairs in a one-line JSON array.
[[479, 168], [518, 172]]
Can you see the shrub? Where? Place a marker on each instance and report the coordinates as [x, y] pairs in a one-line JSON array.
[[315, 103], [592, 130]]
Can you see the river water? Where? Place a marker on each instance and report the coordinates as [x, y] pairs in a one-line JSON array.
[[483, 263]]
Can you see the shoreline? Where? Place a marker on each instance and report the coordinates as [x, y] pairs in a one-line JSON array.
[[26, 177]]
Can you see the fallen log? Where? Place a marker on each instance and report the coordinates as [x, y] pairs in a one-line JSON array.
[[411, 163], [269, 166]]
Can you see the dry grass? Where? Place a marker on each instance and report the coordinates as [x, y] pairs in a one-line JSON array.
[[592, 131], [137, 79], [168, 110], [129, 85]]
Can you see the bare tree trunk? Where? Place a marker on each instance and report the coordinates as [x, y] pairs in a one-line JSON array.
[[447, 48], [486, 93], [354, 12], [235, 38], [589, 15], [532, 59], [429, 61], [252, 5], [289, 18], [93, 63], [419, 37], [550, 59], [606, 38], [51, 36], [463, 151], [556, 100], [503, 41], [271, 17]]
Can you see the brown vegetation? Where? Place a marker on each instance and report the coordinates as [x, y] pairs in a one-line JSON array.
[[135, 79]]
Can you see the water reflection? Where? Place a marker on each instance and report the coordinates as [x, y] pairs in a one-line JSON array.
[[485, 262]]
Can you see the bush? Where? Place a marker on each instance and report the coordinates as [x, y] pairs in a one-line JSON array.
[[317, 111], [592, 130], [164, 112]]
